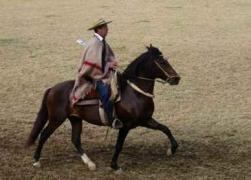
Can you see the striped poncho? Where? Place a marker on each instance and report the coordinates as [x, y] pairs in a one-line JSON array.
[[91, 67]]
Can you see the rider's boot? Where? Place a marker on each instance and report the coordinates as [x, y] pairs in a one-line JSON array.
[[113, 121], [103, 90]]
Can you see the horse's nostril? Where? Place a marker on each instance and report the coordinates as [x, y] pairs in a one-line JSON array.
[[175, 80]]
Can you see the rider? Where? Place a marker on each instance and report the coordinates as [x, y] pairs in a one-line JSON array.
[[96, 66]]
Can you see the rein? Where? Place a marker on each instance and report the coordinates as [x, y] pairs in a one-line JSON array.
[[157, 80], [136, 88], [148, 79]]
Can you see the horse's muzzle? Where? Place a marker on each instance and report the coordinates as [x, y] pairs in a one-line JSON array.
[[174, 80]]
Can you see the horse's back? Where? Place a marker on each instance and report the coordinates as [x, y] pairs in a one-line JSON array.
[[62, 89], [65, 85]]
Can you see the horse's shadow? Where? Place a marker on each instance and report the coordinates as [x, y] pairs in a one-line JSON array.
[[136, 156]]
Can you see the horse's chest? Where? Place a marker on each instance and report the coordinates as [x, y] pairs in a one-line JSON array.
[[145, 109], [139, 108]]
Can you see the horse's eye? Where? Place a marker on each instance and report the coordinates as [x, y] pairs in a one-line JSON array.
[[162, 62]]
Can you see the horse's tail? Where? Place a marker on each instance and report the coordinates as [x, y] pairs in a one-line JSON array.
[[40, 122]]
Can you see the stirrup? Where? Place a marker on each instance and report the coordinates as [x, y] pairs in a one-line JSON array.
[[117, 124]]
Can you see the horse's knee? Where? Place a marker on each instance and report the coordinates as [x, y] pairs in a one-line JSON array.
[[43, 136]]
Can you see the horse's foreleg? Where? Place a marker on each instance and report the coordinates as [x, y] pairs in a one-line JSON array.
[[153, 124], [76, 140], [45, 134], [120, 141], [76, 124]]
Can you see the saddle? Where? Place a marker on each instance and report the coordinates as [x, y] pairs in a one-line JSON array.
[[92, 98]]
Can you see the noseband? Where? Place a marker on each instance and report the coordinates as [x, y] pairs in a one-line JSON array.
[[168, 77]]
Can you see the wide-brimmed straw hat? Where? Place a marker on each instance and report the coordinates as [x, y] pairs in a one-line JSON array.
[[99, 23]]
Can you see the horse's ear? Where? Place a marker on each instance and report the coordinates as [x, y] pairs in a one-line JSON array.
[[148, 48]]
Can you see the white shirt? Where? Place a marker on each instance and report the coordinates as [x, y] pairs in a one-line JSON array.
[[98, 36]]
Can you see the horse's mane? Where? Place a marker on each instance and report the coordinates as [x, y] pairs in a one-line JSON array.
[[133, 68]]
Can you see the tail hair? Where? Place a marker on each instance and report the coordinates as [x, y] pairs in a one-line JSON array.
[[42, 118]]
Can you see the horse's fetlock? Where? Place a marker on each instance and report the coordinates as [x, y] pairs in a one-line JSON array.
[[114, 166]]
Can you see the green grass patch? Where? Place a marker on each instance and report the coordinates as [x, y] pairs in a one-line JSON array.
[[7, 41]]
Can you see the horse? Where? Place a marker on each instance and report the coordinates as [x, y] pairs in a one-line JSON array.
[[135, 109]]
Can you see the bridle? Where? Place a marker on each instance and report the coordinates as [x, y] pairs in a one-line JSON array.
[[135, 87], [168, 76]]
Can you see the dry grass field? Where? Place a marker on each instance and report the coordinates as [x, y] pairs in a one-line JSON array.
[[209, 112]]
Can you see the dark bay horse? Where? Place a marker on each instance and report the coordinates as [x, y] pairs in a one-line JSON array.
[[135, 108]]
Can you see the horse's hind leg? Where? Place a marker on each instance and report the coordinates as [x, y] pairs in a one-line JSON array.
[[153, 124], [76, 124], [45, 134]]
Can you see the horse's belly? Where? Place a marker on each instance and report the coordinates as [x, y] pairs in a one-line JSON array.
[[89, 114]]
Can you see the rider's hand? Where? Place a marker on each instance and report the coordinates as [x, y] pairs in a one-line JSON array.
[[114, 64]]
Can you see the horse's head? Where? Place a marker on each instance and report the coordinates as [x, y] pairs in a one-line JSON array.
[[160, 67]]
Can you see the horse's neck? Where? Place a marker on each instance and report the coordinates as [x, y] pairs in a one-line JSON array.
[[146, 86], [134, 71]]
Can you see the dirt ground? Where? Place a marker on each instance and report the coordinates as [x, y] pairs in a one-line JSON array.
[[209, 113]]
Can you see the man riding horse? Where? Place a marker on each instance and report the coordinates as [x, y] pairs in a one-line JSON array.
[[96, 67], [135, 108]]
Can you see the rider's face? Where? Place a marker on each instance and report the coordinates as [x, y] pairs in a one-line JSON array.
[[103, 31]]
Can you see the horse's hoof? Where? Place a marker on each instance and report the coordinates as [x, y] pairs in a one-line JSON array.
[[174, 148], [37, 164], [169, 152], [118, 171], [92, 166]]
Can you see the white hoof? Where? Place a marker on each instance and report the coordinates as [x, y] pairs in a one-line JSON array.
[[119, 171], [92, 166], [169, 152], [37, 164]]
